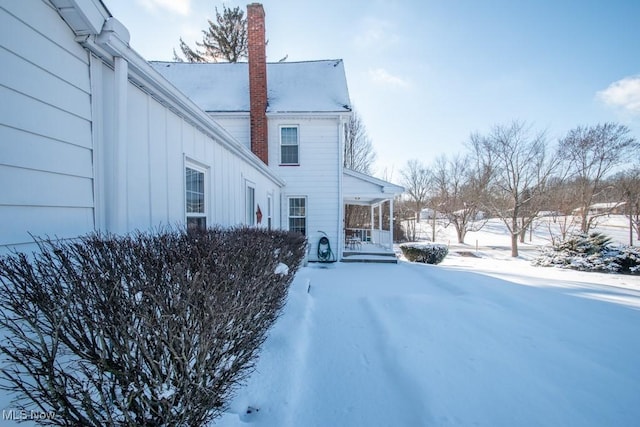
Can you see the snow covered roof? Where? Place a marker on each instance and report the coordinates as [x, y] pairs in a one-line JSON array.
[[310, 86], [360, 188]]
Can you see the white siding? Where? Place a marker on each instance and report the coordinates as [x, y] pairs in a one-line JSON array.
[[45, 126], [65, 157], [60, 162], [159, 144], [317, 177], [237, 126]]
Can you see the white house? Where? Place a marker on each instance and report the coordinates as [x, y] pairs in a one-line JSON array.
[[93, 137], [293, 115]]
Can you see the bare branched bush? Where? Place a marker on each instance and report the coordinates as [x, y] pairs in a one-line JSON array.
[[145, 329]]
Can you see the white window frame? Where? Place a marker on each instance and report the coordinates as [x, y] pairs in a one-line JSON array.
[[304, 215], [204, 214], [297, 145], [250, 203], [269, 211]]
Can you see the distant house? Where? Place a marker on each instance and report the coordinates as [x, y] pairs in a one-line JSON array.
[[93, 137], [610, 208]]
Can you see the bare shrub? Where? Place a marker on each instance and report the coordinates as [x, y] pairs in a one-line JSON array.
[[145, 329]]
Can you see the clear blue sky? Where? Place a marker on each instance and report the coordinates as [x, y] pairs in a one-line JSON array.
[[424, 74]]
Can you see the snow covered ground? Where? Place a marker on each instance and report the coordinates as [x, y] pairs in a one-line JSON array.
[[484, 340]]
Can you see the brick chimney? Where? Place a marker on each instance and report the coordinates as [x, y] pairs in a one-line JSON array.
[[257, 81]]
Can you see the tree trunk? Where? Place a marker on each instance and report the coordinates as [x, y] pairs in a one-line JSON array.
[[514, 245], [584, 226], [433, 225], [460, 231]]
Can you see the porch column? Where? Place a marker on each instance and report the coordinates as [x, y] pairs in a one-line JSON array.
[[391, 221], [371, 234], [380, 217]]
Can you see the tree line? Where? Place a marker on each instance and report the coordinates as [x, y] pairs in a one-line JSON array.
[[513, 173]]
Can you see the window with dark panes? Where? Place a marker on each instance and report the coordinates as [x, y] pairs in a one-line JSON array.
[[289, 145]]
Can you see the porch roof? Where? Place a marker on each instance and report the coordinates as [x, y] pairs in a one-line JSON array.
[[362, 189]]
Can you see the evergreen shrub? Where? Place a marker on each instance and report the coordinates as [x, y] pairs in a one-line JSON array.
[[429, 253], [591, 252]]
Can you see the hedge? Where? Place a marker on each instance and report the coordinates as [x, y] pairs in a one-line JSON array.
[[143, 329]]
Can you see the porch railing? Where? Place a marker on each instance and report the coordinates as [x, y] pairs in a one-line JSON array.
[[363, 234], [382, 238], [367, 235]]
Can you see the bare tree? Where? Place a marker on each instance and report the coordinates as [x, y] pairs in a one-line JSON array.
[[520, 171], [404, 220], [359, 154], [416, 181], [628, 187], [559, 203], [591, 154], [459, 190], [224, 41]]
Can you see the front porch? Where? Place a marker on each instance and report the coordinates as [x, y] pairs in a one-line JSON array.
[[368, 221], [369, 252]]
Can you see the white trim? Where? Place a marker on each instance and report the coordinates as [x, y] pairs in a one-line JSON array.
[[81, 18], [98, 152], [297, 115], [342, 128], [386, 187], [249, 211], [119, 176], [269, 222]]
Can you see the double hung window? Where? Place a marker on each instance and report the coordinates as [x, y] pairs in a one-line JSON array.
[[289, 145], [298, 214]]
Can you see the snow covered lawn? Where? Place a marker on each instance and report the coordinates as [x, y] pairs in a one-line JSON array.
[[488, 341]]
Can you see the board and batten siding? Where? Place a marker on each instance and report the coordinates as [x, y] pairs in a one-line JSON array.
[[68, 163], [46, 176], [317, 177], [237, 125], [159, 145]]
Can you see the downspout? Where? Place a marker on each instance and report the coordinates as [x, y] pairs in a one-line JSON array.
[[114, 38], [97, 135], [120, 174]]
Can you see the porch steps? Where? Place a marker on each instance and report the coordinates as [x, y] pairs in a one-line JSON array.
[[378, 257]]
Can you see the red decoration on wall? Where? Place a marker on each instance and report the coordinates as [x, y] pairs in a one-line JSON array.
[[259, 215]]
